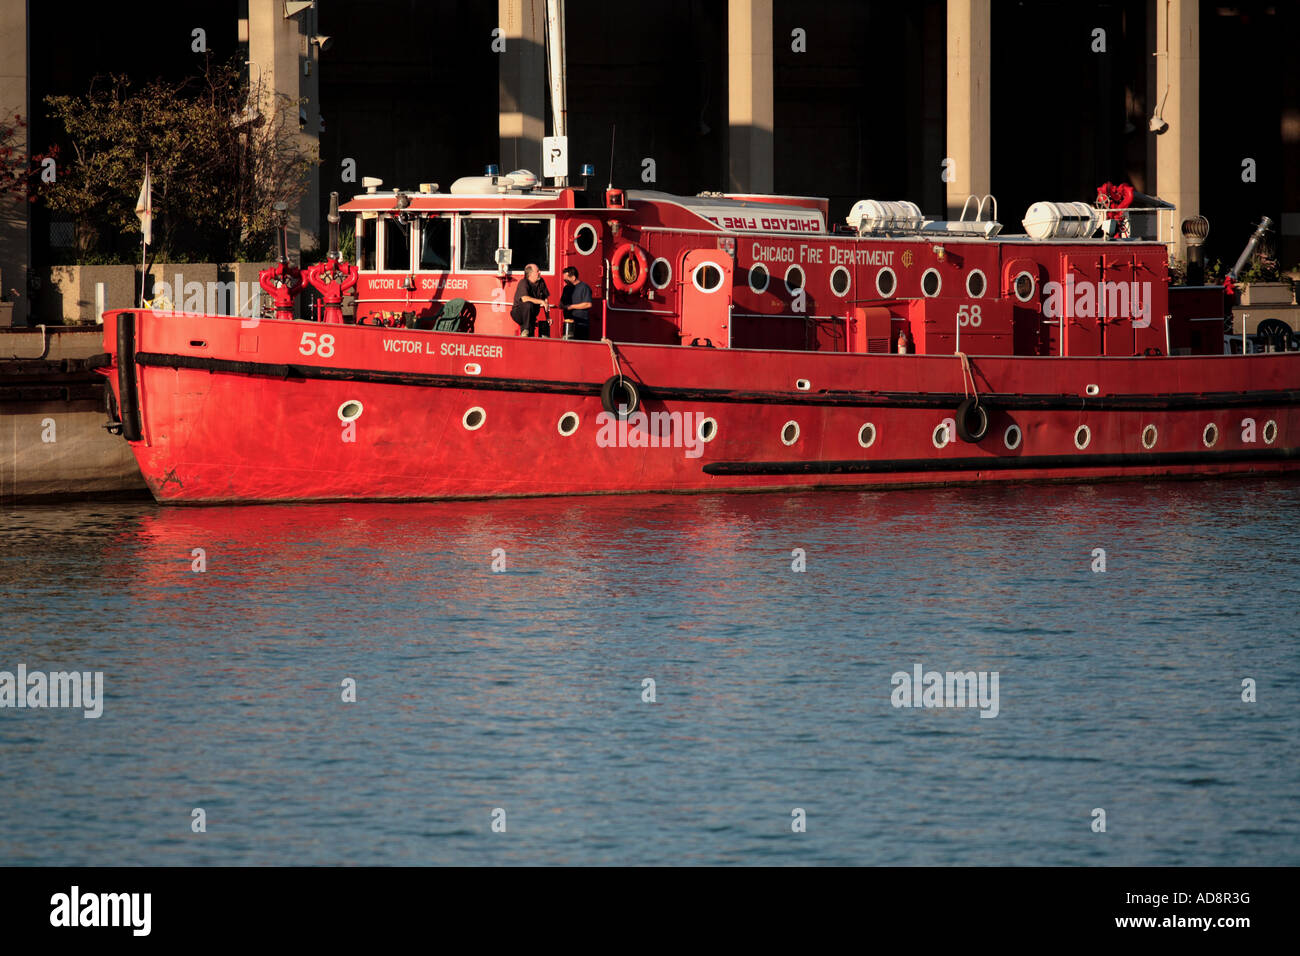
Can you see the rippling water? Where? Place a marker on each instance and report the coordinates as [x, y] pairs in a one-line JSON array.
[[522, 690]]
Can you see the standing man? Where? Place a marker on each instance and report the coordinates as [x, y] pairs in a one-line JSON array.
[[531, 296], [575, 302]]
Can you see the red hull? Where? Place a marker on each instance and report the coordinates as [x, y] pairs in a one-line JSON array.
[[229, 413]]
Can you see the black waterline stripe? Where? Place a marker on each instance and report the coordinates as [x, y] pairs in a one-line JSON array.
[[1002, 463], [1216, 400]]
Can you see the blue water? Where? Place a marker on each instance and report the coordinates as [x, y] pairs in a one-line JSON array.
[[522, 690]]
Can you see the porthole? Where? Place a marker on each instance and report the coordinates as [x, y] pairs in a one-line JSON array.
[[1149, 437], [568, 424], [1091, 390], [941, 435], [886, 282], [707, 277], [1024, 286], [473, 418], [661, 273], [794, 279], [1270, 432], [350, 410], [708, 430], [585, 239], [758, 278], [790, 433], [867, 435], [976, 284], [1210, 437], [802, 384], [931, 283], [1082, 437], [840, 281], [1012, 437]]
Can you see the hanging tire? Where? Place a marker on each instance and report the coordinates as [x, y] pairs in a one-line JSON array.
[[972, 420], [620, 396]]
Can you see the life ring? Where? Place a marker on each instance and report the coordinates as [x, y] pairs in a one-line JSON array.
[[972, 420], [621, 268], [620, 396]]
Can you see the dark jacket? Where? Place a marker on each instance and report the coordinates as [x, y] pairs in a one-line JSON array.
[[525, 312]]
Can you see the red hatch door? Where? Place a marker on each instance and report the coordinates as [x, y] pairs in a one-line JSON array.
[[706, 297], [1080, 278]]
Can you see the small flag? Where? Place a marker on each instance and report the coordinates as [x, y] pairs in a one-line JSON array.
[[144, 207]]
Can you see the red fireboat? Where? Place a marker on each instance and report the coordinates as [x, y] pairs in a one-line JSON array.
[[734, 342]]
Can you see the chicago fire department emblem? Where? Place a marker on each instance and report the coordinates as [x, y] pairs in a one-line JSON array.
[[907, 259]]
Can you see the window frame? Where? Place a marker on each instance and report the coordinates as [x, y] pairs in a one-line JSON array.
[[458, 262], [549, 219], [453, 248], [381, 247]]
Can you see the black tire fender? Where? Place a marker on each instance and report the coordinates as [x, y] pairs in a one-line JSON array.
[[972, 420], [620, 396]]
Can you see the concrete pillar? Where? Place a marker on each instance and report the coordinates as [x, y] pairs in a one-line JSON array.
[[521, 122], [1289, 227], [750, 163], [969, 125], [277, 49], [15, 212], [1178, 69]]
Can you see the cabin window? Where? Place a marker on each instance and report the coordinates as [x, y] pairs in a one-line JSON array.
[[529, 241], [707, 277], [585, 239], [435, 244], [367, 229], [480, 237], [1024, 286], [661, 273], [840, 281], [886, 282], [397, 246], [931, 283]]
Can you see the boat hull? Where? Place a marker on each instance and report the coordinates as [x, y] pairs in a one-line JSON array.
[[229, 410]]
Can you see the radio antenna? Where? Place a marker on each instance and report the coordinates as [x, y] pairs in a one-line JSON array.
[[612, 128]]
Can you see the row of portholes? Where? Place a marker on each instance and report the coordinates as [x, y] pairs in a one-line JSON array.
[[708, 278], [474, 419], [886, 281], [1012, 437]]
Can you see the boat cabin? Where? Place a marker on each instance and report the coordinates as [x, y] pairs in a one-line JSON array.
[[770, 272]]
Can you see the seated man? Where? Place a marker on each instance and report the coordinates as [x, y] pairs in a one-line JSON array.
[[575, 302], [531, 296]]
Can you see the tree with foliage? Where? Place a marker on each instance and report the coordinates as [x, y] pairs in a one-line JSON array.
[[218, 161], [17, 168]]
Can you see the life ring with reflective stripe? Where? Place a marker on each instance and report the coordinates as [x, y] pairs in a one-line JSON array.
[[630, 268]]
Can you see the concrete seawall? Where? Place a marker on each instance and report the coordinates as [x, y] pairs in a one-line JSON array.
[[52, 441]]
